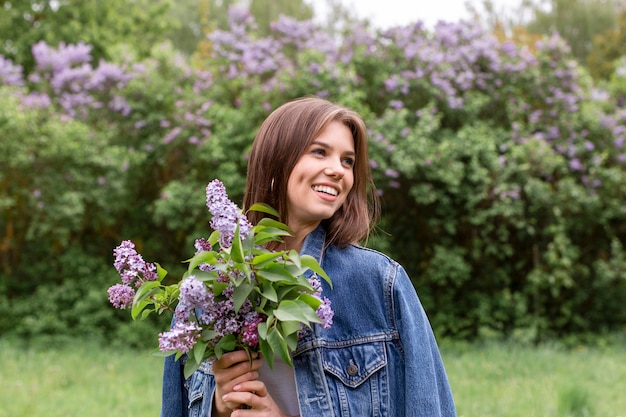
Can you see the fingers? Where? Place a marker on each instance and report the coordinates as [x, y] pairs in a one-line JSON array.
[[257, 387], [251, 393], [234, 368], [231, 358]]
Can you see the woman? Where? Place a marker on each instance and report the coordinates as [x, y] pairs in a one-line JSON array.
[[309, 160]]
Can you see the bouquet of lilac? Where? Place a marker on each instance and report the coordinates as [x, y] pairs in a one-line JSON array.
[[235, 294]]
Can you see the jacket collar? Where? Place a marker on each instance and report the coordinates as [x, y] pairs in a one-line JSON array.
[[314, 243]]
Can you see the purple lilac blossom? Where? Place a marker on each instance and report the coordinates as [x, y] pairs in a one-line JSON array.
[[226, 214], [181, 337], [131, 266], [10, 74], [324, 311], [121, 296], [194, 294]]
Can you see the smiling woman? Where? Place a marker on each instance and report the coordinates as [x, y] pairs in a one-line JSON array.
[[309, 160], [320, 181]]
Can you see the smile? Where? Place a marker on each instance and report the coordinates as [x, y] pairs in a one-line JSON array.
[[325, 189]]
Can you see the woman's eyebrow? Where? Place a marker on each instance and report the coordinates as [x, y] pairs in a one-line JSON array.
[[327, 146]]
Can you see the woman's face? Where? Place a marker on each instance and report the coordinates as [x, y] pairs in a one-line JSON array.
[[322, 178]]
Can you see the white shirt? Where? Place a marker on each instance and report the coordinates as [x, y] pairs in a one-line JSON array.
[[281, 385]]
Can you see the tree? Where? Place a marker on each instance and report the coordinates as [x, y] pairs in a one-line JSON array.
[[267, 11], [577, 21], [103, 25], [607, 48]]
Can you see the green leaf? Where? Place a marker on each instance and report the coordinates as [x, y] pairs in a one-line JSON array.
[[236, 250], [289, 310], [145, 290], [264, 208], [191, 366], [311, 263], [290, 327], [198, 351], [138, 308], [292, 341], [267, 352], [310, 300], [224, 345], [269, 292], [261, 260], [240, 294], [262, 329], [204, 276], [205, 257], [208, 334], [214, 237], [294, 257], [261, 237], [219, 287], [279, 345], [161, 273], [274, 276]]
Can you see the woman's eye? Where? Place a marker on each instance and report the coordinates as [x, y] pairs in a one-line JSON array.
[[348, 162], [318, 151]]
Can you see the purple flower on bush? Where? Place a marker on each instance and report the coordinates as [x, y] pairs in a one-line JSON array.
[[121, 296], [226, 214], [181, 337], [10, 74]]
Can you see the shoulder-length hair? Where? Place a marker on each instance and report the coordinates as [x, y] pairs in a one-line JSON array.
[[283, 137]]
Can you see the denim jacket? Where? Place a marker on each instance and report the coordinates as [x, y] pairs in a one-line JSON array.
[[379, 358]]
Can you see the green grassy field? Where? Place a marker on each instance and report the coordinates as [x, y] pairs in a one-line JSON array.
[[496, 380]]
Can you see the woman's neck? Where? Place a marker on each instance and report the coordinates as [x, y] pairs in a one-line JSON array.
[[300, 232]]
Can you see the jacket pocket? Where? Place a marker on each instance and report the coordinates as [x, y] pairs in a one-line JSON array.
[[354, 364], [357, 377]]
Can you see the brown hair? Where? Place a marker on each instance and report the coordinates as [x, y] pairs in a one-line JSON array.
[[282, 138]]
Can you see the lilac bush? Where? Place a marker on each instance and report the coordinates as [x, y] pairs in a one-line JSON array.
[[500, 164]]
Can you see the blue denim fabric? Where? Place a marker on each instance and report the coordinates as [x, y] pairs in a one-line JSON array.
[[379, 358]]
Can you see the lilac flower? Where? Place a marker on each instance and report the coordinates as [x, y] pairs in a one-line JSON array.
[[10, 74], [121, 296], [36, 100], [576, 165], [391, 173], [324, 311], [226, 214], [131, 266], [181, 337], [64, 57], [250, 335], [194, 294]]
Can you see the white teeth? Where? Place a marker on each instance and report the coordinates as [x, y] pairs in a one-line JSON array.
[[325, 190]]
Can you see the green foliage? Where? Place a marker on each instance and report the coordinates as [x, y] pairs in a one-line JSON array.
[[577, 21], [139, 23], [501, 170]]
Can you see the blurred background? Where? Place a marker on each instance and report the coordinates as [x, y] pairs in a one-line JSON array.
[[497, 142]]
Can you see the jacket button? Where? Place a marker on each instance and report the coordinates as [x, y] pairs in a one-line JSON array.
[[352, 369]]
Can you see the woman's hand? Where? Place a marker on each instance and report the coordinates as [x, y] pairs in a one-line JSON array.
[[256, 398], [232, 369]]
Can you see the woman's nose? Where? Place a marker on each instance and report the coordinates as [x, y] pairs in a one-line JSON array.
[[334, 169]]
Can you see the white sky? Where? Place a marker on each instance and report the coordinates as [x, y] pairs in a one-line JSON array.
[[385, 13]]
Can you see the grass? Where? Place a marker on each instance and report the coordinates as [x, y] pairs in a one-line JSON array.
[[81, 379], [492, 380], [502, 380]]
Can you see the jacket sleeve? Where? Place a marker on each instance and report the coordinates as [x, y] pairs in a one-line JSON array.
[[174, 398], [426, 383]]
